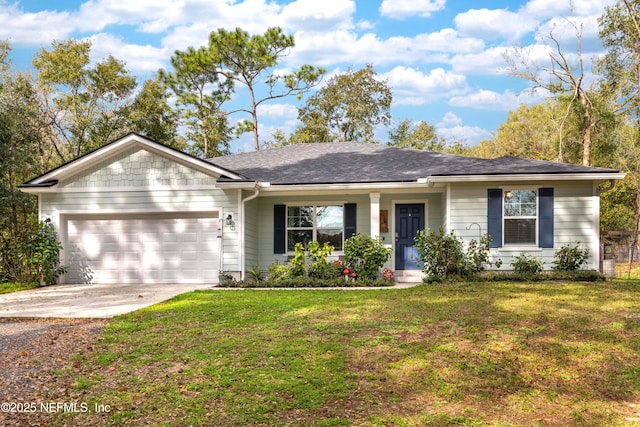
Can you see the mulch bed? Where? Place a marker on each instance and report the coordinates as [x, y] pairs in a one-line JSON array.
[[31, 350]]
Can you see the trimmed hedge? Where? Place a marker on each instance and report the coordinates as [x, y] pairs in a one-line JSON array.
[[512, 276], [307, 282]]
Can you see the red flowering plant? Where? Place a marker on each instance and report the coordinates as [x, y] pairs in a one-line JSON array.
[[387, 274]]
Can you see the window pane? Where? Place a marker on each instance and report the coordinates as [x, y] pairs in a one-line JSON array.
[[519, 231], [329, 216], [528, 209], [333, 236], [300, 216], [520, 203], [298, 236]]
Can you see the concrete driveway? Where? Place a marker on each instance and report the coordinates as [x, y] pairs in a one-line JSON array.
[[87, 301]]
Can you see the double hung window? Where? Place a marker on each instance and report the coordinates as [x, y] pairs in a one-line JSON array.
[[324, 223], [520, 217]]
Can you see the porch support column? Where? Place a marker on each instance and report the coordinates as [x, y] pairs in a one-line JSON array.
[[374, 210]]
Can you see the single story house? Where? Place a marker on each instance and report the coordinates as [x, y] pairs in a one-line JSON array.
[[135, 210]]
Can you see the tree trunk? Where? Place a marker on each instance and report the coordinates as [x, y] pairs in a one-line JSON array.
[[256, 139]]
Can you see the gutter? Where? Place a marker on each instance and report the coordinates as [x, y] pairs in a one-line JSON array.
[[37, 188], [596, 176]]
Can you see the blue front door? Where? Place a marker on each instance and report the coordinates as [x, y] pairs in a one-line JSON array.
[[409, 220]]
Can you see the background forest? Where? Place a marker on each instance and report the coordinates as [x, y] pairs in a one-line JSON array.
[[68, 106]]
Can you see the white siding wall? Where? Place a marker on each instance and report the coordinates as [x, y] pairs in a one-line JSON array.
[[266, 256], [140, 181], [251, 232], [573, 217], [265, 213]]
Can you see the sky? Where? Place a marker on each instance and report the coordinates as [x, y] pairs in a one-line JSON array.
[[442, 59]]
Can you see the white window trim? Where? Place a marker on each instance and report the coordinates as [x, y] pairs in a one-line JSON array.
[[527, 246], [314, 227]]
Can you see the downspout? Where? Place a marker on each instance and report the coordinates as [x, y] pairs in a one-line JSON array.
[[242, 232], [221, 243]]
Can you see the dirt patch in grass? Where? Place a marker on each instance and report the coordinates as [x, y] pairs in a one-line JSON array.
[[32, 352]]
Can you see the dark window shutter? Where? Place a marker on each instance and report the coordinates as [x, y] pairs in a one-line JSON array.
[[545, 214], [349, 220], [279, 229], [494, 217]]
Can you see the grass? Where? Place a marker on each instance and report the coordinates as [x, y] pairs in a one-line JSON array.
[[491, 354], [628, 271], [6, 288]]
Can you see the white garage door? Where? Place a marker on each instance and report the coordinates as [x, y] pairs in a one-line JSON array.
[[143, 249]]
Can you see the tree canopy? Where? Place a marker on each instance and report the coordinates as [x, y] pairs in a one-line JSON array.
[[244, 58], [420, 136], [347, 108]]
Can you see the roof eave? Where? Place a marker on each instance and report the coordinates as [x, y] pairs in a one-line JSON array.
[[270, 187], [42, 187], [124, 143], [237, 184], [590, 176]]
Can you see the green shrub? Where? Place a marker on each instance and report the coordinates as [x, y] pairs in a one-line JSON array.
[[577, 275], [278, 272], [334, 270], [442, 254], [310, 282], [527, 265], [570, 258], [477, 255], [33, 256], [365, 255], [318, 266], [297, 263], [255, 274], [445, 257]]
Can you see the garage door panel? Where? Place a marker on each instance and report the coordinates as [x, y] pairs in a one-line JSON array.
[[148, 249]]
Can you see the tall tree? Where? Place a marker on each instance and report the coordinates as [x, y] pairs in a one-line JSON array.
[[420, 136], [23, 155], [530, 131], [85, 104], [348, 108], [620, 34], [620, 67], [563, 78], [200, 93], [151, 114], [245, 59]]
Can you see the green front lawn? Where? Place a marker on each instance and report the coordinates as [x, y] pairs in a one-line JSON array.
[[467, 354]]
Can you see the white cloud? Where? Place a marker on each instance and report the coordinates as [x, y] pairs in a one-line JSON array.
[[287, 111], [468, 135], [452, 129], [312, 15], [483, 99], [413, 87], [492, 24], [400, 9], [445, 40], [156, 16], [329, 48], [487, 62], [450, 120], [549, 8], [138, 58], [23, 28]]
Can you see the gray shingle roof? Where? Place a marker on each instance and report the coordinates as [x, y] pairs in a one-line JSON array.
[[348, 162]]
